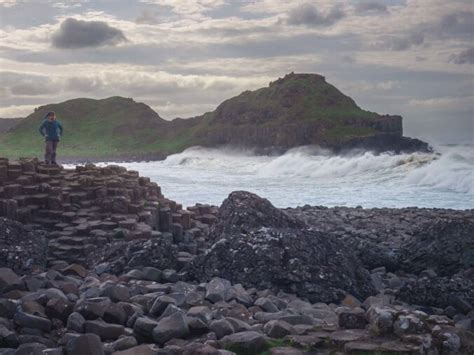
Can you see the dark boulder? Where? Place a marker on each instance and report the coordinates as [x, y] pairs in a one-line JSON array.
[[260, 246]]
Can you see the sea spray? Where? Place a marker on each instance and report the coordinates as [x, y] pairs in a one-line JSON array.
[[309, 175]]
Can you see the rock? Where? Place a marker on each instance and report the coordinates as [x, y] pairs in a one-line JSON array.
[[85, 344], [58, 308], [174, 326], [260, 246], [75, 269], [115, 313], [201, 312], [160, 304], [381, 319], [143, 327], [116, 293], [216, 289], [31, 321], [352, 318], [106, 331], [238, 293], [30, 349], [144, 349], [278, 329], [21, 249], [124, 343], [285, 350], [75, 322], [151, 274], [266, 304], [93, 308], [249, 342], [341, 337], [9, 280], [197, 326], [8, 338], [221, 328]]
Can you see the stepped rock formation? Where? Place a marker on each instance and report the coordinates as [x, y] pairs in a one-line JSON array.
[[297, 110], [87, 207]]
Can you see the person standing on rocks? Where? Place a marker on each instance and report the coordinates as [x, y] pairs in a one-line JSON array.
[[51, 129]]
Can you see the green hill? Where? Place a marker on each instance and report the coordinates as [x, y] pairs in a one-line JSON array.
[[299, 109]]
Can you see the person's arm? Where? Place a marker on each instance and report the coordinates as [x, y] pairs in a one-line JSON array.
[[41, 128], [60, 128]]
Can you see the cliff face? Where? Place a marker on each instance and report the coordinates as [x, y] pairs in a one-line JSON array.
[[301, 109]]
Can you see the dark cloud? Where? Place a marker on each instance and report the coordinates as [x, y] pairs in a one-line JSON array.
[[405, 42], [370, 7], [80, 34], [459, 24], [308, 15], [465, 57]]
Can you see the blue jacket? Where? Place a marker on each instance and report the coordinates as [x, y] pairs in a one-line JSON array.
[[51, 130]]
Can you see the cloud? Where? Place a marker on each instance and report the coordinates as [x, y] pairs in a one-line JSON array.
[[370, 7], [147, 17], [26, 84], [458, 24], [405, 42], [80, 34], [308, 15], [465, 57]]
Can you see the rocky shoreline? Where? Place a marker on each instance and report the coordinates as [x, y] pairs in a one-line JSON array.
[[97, 261]]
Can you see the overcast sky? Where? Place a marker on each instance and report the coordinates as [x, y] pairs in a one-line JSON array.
[[183, 57]]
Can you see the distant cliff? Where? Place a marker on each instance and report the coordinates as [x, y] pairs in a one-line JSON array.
[[299, 109]]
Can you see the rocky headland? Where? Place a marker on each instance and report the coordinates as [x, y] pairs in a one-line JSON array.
[[95, 260], [296, 110]]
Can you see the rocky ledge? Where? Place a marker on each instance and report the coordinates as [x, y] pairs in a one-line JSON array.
[[95, 260]]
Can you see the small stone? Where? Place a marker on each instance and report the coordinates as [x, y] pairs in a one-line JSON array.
[[248, 342], [266, 304], [76, 322], [216, 289], [9, 280], [221, 328], [31, 321], [106, 331]]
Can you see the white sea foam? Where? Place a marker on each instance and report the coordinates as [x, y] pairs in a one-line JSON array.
[[308, 175]]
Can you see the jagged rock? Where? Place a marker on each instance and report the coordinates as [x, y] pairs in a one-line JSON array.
[[21, 248], [31, 321], [144, 326], [9, 280], [76, 322], [249, 342], [353, 318], [221, 328], [174, 326], [261, 246], [216, 290], [278, 329], [85, 344], [106, 331], [160, 304]]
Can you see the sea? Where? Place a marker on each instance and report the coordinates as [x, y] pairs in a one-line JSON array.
[[312, 176]]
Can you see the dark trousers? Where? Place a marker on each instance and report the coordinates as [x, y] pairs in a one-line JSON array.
[[50, 152]]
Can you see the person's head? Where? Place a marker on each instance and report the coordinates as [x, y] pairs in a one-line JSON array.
[[51, 116]]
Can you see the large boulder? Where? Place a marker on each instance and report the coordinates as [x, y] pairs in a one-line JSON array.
[[21, 248], [261, 246]]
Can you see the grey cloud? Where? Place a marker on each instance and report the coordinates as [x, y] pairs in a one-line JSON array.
[[80, 34], [307, 14], [84, 84], [405, 42], [370, 7], [459, 24], [27, 85], [465, 57]]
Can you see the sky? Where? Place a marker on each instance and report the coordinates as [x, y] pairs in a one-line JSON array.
[[414, 58]]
